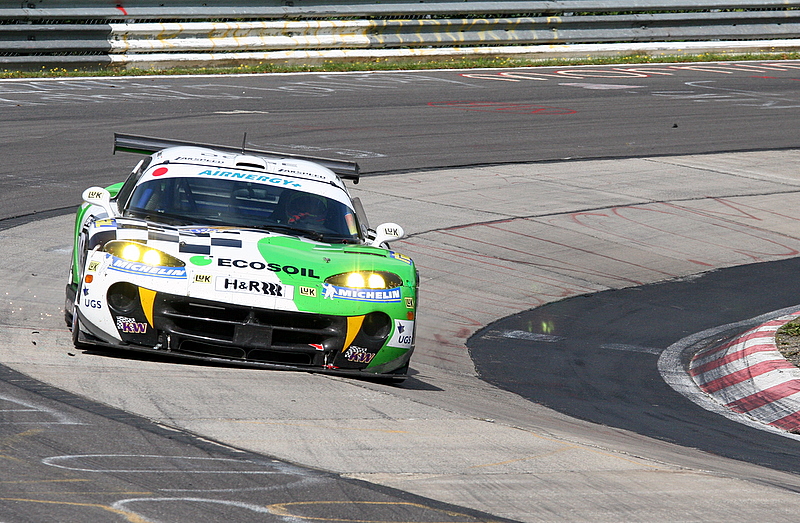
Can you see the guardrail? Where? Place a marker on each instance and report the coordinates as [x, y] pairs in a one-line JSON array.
[[158, 34]]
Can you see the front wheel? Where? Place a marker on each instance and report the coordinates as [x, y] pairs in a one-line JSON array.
[[76, 332]]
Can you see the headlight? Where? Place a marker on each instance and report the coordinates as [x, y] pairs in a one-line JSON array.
[[141, 253], [366, 280]]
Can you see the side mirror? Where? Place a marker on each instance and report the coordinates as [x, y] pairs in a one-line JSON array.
[[387, 232], [100, 197]]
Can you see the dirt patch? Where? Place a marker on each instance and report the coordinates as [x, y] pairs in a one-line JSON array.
[[788, 341]]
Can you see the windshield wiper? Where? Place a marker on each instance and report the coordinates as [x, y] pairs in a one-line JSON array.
[[314, 235], [160, 217]]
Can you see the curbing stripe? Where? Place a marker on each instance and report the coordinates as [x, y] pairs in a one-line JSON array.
[[745, 374], [732, 357], [750, 376]]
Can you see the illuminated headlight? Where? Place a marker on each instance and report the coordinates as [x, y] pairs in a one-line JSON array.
[[366, 280], [141, 253]]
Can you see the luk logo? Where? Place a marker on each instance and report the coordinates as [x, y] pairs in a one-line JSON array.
[[202, 278], [311, 292]]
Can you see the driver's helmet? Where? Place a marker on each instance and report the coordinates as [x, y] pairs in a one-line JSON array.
[[307, 209]]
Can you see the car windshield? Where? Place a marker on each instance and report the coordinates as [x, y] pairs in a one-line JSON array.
[[215, 202]]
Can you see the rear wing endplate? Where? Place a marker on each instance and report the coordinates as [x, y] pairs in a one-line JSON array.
[[147, 145]]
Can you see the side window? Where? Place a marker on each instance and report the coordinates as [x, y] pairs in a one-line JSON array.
[[125, 192]]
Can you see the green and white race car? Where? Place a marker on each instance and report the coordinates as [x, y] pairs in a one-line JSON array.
[[248, 257]]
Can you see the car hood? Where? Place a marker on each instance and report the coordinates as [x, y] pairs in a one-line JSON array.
[[240, 262]]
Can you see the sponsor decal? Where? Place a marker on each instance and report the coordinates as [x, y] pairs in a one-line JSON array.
[[316, 346], [200, 261], [93, 266], [311, 292], [105, 222], [358, 354], [130, 325], [92, 304], [252, 177], [202, 278], [260, 266], [368, 295], [278, 290], [94, 195], [401, 257], [147, 270], [409, 303], [403, 335], [161, 171]]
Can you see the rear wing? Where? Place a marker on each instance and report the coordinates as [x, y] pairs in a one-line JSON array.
[[146, 145]]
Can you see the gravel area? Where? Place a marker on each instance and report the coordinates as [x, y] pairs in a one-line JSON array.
[[788, 341]]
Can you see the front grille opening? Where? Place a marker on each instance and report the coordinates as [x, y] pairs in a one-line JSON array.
[[279, 357], [290, 320], [205, 349], [287, 337], [209, 329], [211, 312]]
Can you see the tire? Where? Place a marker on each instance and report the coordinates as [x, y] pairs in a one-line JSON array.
[[76, 332]]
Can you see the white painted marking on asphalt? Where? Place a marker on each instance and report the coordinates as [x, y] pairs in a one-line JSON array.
[[57, 461], [525, 335], [58, 418], [600, 87], [241, 111], [631, 348], [248, 506]]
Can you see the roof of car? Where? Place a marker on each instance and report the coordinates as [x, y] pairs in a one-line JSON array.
[[288, 168]]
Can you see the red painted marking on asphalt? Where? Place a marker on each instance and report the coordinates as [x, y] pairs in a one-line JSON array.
[[544, 261], [571, 246], [735, 227], [739, 208], [765, 397], [743, 375], [506, 107]]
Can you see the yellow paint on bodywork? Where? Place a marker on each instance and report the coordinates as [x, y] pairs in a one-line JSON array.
[[353, 326], [147, 297]]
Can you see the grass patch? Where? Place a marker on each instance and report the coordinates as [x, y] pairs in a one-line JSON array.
[[388, 64], [790, 329]]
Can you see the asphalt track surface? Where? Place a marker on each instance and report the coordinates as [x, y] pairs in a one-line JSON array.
[[139, 471], [599, 362], [57, 132]]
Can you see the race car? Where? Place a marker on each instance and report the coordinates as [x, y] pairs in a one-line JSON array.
[[251, 257]]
